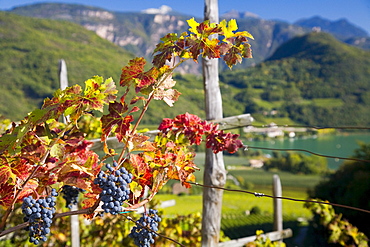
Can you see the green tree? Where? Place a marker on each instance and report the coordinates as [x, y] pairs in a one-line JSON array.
[[297, 163], [350, 185]]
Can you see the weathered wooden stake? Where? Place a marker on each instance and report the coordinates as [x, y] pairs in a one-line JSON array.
[[214, 170], [63, 77], [75, 226], [278, 207]]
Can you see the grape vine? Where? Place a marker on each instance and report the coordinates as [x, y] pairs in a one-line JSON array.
[[41, 153]]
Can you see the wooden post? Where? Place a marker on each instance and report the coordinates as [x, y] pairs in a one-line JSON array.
[[75, 226], [63, 77], [278, 208], [214, 170]]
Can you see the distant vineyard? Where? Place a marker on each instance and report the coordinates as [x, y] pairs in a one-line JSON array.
[[241, 225]]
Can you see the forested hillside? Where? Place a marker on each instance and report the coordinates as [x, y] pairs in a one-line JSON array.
[[313, 79], [30, 52]]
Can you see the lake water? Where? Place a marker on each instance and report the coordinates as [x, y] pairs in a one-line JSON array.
[[341, 145]]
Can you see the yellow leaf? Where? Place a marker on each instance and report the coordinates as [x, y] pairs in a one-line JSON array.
[[244, 33], [135, 189], [57, 151], [193, 25], [228, 28], [232, 25]]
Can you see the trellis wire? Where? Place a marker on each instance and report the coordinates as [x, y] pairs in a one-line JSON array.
[[256, 194], [307, 151], [316, 127]]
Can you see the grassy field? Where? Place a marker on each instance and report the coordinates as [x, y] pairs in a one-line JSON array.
[[328, 102], [236, 203], [294, 186]]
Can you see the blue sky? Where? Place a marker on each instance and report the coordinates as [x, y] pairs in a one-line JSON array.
[[356, 11]]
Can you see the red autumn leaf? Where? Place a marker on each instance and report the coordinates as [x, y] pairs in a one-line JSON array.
[[212, 49], [123, 127], [206, 30], [140, 170], [134, 68], [7, 175], [220, 141], [114, 118], [146, 79], [232, 57], [28, 189], [88, 203], [78, 182], [165, 50], [7, 192], [195, 48], [166, 125], [134, 109], [136, 99]]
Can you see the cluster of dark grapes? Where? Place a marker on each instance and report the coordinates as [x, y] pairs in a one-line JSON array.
[[70, 194], [39, 213], [143, 237], [114, 185]]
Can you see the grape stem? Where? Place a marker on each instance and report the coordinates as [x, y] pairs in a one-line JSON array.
[[145, 108]]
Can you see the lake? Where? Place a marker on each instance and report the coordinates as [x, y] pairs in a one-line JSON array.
[[340, 145]]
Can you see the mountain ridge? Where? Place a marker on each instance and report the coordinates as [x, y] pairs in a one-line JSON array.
[[140, 32], [342, 28], [295, 88]]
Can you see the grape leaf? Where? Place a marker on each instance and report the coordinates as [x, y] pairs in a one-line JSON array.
[[6, 175], [170, 95], [164, 51], [116, 119], [7, 192], [232, 57], [228, 29], [140, 170], [99, 92], [140, 142], [134, 68], [136, 189], [28, 189], [220, 141], [203, 29], [212, 49], [134, 73]]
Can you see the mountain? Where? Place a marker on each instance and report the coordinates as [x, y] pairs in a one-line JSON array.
[[140, 32], [32, 47], [312, 79], [337, 64], [30, 52], [342, 29], [136, 32]]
